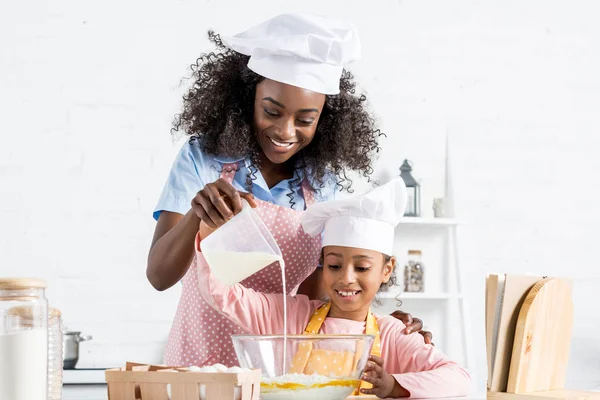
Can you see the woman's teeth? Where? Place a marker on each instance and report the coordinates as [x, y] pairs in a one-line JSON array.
[[281, 144], [347, 294]]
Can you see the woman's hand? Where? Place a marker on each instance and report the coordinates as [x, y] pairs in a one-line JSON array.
[[413, 325], [205, 230], [384, 385], [218, 202]]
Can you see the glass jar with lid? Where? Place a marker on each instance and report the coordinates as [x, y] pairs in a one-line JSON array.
[[414, 272], [23, 339]]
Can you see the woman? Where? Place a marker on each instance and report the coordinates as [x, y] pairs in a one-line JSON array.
[[273, 119]]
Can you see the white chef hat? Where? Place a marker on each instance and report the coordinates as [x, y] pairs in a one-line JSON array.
[[365, 221], [302, 50]]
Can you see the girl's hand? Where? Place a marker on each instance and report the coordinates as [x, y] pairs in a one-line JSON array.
[[384, 385], [218, 202]]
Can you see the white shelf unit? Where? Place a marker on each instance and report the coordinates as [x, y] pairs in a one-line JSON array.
[[430, 221], [439, 238], [419, 296]]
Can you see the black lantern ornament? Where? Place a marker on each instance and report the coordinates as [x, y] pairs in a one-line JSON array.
[[413, 189]]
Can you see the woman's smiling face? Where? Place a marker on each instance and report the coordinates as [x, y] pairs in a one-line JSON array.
[[285, 118]]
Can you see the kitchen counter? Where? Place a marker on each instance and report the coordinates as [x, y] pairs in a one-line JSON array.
[[98, 392], [84, 392]]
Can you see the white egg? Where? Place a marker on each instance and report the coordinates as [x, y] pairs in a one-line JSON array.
[[194, 369], [235, 370], [208, 368], [220, 367]]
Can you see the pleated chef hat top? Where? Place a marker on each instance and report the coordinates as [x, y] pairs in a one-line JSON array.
[[302, 50], [366, 221]]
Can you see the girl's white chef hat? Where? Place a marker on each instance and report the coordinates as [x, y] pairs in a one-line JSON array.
[[365, 221], [302, 50]]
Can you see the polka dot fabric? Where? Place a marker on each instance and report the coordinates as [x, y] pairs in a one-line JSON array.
[[200, 335]]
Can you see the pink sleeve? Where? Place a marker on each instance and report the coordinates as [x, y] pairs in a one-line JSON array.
[[420, 368], [258, 313]]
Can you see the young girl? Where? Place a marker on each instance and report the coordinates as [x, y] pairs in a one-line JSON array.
[[358, 237]]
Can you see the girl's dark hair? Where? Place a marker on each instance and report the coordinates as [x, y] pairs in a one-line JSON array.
[[218, 114], [385, 286]]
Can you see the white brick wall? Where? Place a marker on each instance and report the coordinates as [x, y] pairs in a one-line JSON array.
[[88, 90]]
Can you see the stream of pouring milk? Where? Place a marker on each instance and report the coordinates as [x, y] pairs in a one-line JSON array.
[[245, 264]]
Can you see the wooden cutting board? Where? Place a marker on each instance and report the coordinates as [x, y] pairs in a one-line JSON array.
[[542, 338], [505, 294]]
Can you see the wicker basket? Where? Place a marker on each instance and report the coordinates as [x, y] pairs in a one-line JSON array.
[[158, 382]]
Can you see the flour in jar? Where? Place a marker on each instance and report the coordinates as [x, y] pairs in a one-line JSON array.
[[23, 362]]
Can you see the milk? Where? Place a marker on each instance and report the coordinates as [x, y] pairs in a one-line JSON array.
[[23, 361], [284, 312], [231, 267]]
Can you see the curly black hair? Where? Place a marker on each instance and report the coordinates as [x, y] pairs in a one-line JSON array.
[[218, 114]]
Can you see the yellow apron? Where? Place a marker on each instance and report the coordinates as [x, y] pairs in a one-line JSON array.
[[326, 362]]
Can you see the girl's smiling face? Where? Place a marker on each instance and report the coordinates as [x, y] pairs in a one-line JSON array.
[[352, 277]]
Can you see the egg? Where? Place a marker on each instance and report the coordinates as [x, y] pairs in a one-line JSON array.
[[220, 367]]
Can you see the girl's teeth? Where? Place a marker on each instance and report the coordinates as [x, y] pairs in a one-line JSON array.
[[280, 144], [347, 294]]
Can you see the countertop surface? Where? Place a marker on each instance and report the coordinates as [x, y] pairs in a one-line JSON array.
[[98, 392], [84, 392]]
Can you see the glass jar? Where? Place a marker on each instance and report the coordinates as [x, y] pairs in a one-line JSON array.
[[23, 339], [55, 354], [414, 273]]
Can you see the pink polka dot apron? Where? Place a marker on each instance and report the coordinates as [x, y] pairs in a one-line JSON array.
[[200, 335]]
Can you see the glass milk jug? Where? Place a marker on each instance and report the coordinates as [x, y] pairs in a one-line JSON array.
[[23, 339], [240, 247]]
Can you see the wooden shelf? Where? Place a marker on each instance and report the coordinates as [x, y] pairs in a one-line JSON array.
[[417, 221], [419, 296]]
